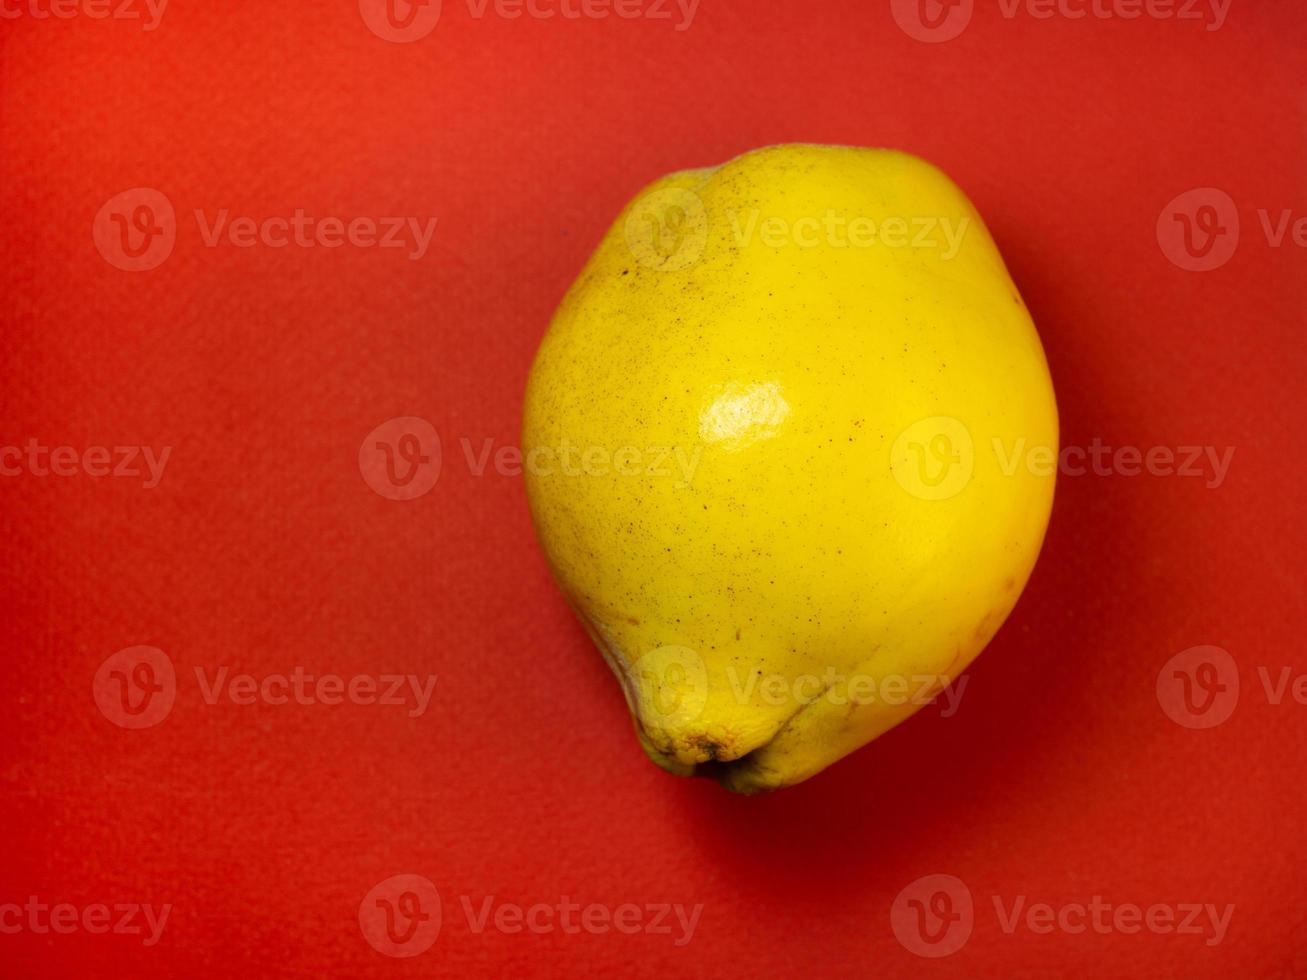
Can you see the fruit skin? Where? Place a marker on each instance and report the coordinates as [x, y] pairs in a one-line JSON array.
[[854, 510]]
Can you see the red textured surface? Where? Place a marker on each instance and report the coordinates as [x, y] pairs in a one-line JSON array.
[[262, 549]]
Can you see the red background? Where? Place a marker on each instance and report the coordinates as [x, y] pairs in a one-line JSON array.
[[262, 549]]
